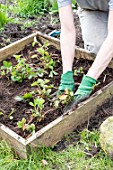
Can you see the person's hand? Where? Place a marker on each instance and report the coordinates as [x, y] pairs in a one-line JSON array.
[[84, 91], [67, 82]]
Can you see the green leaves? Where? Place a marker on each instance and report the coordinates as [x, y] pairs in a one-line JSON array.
[[6, 67], [54, 6], [20, 71], [78, 71], [47, 62], [32, 7], [21, 123], [26, 96], [3, 16], [40, 82], [56, 103], [31, 128], [38, 102], [38, 106], [43, 88]]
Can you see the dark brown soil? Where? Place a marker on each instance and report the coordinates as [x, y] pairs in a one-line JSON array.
[[21, 109], [102, 113], [8, 89], [45, 24]]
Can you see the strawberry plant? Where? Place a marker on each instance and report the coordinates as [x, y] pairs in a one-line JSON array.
[[6, 68], [37, 105], [24, 126], [30, 128], [21, 124], [20, 71], [78, 71], [63, 98], [47, 62], [43, 88], [26, 96]]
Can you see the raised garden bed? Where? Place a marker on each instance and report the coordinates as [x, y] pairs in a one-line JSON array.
[[49, 127]]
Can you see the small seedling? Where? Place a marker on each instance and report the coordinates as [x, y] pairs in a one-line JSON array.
[[11, 113], [43, 88], [26, 97], [1, 113], [30, 128], [63, 98], [78, 71], [21, 124], [47, 62], [56, 103], [34, 42], [6, 67], [38, 106]]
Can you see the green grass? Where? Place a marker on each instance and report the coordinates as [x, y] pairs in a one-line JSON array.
[[20, 10], [4, 19], [72, 158], [31, 8]]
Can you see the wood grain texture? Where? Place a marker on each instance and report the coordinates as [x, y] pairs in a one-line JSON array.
[[53, 132], [20, 44], [17, 142]]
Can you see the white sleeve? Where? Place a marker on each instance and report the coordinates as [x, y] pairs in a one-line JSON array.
[[62, 3], [111, 5]]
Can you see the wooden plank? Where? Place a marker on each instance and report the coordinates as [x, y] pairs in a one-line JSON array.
[[16, 46], [53, 132], [17, 142], [79, 52], [20, 44]]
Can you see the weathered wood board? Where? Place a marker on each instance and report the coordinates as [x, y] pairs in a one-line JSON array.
[[53, 132]]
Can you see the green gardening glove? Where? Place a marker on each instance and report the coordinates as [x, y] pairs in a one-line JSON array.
[[67, 82], [84, 90]]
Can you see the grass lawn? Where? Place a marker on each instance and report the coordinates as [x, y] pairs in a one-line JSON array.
[[82, 149], [77, 155]]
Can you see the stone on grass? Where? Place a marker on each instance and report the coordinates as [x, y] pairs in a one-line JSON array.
[[106, 136]]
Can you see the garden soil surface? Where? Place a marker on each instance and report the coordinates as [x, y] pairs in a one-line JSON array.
[[8, 89], [45, 24]]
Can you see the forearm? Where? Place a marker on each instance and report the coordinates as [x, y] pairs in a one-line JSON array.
[[67, 49], [102, 59], [67, 38]]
